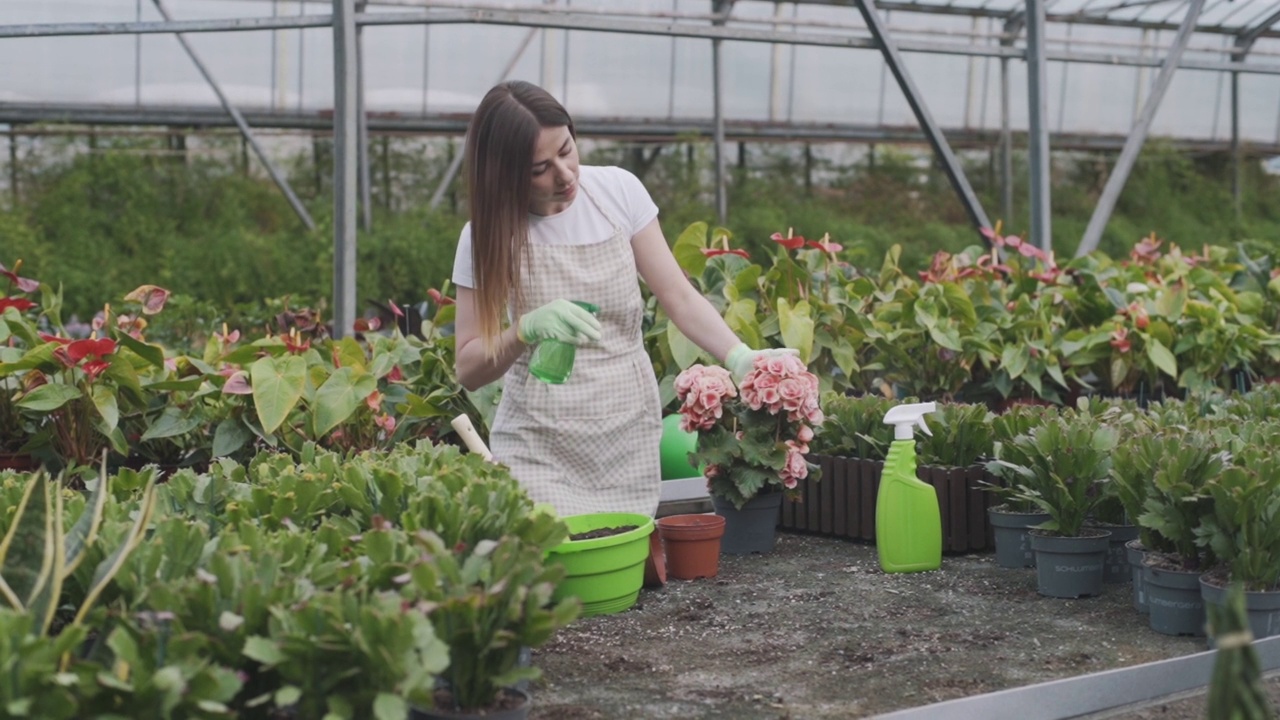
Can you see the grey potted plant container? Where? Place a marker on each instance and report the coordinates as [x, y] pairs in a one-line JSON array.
[[1058, 467]]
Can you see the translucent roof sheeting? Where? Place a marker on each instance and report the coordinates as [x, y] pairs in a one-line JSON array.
[[444, 68]]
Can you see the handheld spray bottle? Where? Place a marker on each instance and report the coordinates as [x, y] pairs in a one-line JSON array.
[[908, 521]]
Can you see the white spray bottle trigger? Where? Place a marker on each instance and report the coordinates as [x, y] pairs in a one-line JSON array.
[[905, 418]]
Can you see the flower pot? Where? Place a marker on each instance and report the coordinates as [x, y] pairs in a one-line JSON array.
[[1262, 607], [1013, 547], [604, 573], [1069, 567], [692, 544], [751, 529], [655, 566], [1116, 568], [516, 707], [1135, 554], [1174, 604]]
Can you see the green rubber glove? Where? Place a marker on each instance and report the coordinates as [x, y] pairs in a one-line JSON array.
[[741, 359], [558, 320]]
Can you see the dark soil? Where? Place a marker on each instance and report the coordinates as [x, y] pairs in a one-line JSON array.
[[602, 532], [816, 630]]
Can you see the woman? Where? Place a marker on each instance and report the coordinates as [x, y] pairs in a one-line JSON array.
[[545, 231]]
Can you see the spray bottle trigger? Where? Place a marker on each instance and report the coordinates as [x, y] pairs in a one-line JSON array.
[[924, 426]]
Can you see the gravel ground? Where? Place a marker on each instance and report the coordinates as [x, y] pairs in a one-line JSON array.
[[816, 630]]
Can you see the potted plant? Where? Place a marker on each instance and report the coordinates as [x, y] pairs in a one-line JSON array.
[[752, 440], [1177, 503], [1012, 514], [1132, 466], [1059, 467], [1243, 531], [850, 450], [487, 603]]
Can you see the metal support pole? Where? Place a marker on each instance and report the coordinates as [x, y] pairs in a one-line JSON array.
[[955, 173], [13, 165], [456, 164], [1038, 158], [362, 117], [1006, 146], [245, 130], [717, 113], [1235, 145], [345, 157], [1138, 135]]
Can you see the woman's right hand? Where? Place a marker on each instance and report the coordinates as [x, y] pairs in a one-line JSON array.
[[558, 320]]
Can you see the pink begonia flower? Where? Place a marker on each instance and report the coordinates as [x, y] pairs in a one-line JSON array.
[[703, 390], [804, 433]]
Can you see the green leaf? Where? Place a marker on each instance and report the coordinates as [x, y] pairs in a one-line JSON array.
[[390, 707], [682, 348], [86, 528], [171, 423], [153, 354], [688, 249], [104, 399], [339, 397], [277, 387], [741, 318], [1161, 357], [350, 354], [49, 397], [796, 326], [268, 653], [1013, 360], [230, 436]]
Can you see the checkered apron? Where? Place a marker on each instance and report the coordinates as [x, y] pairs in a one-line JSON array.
[[592, 443]]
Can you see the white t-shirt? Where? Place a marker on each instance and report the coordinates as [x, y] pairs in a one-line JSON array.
[[616, 189]]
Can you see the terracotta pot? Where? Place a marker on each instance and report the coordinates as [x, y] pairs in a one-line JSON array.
[[692, 545], [655, 567]]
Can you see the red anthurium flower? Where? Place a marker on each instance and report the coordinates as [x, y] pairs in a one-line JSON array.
[[395, 375], [364, 325], [790, 242], [21, 304], [713, 252], [438, 298], [294, 343], [94, 368], [91, 348], [374, 401], [55, 339], [1120, 339], [26, 285], [152, 298]]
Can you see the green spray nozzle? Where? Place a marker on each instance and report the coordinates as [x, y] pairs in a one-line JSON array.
[[905, 418]]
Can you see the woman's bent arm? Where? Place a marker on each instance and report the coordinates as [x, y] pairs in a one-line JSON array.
[[473, 368]]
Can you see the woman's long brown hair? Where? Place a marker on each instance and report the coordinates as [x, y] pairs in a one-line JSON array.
[[499, 157]]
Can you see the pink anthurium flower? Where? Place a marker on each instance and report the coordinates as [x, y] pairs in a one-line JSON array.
[[825, 245], [237, 384], [151, 297], [26, 285], [395, 309], [439, 298]]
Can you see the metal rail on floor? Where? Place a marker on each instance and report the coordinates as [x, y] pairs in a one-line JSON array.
[[1089, 694]]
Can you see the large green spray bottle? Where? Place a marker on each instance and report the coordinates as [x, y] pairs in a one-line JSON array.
[[908, 522]]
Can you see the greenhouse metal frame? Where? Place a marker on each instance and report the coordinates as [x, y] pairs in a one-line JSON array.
[[1242, 35]]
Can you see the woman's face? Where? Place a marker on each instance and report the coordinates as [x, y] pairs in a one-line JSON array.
[[555, 172]]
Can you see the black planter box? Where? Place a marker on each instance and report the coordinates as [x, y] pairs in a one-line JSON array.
[[843, 502]]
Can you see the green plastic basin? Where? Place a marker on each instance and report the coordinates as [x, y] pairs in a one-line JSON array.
[[604, 573]]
